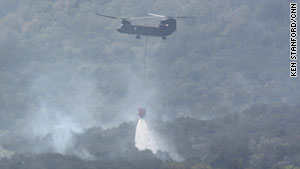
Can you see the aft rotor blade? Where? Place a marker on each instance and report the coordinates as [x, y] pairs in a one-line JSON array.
[[156, 15], [107, 16], [184, 17], [142, 17], [178, 17]]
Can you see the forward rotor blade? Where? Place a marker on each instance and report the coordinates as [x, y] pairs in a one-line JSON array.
[[107, 16], [122, 18]]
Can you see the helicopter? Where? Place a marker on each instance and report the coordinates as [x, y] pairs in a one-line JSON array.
[[165, 28]]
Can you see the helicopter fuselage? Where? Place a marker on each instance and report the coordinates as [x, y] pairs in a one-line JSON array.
[[165, 28]]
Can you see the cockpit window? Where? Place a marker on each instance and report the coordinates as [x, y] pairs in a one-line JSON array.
[[120, 26]]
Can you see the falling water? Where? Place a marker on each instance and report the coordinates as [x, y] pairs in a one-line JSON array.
[[144, 138]]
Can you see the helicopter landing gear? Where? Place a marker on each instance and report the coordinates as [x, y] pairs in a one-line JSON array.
[[164, 38], [138, 37]]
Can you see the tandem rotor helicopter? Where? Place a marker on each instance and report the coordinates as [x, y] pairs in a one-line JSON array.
[[166, 26]]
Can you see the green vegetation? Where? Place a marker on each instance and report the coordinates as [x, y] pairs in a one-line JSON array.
[[217, 89], [261, 137], [60, 54]]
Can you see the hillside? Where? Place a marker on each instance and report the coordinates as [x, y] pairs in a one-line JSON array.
[[263, 136], [217, 91]]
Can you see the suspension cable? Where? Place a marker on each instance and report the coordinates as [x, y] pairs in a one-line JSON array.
[[145, 56]]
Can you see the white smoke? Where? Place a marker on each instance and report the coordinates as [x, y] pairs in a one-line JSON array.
[[63, 104], [57, 128]]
